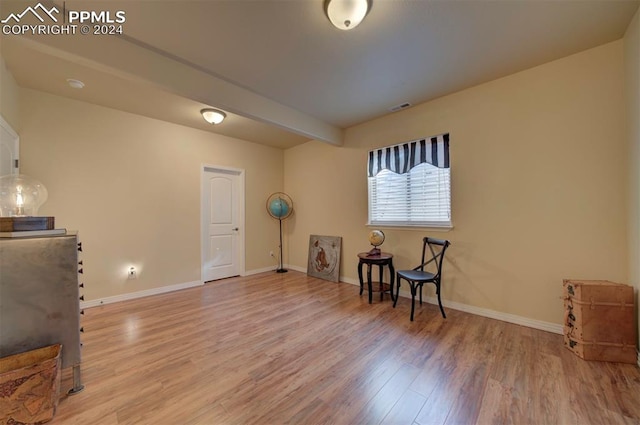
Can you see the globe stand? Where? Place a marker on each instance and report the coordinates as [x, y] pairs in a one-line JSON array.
[[374, 251], [281, 269]]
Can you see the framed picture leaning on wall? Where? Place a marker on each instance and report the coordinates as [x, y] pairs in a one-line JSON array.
[[324, 257]]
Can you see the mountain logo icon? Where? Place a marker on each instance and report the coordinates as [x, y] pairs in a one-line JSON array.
[[34, 11]]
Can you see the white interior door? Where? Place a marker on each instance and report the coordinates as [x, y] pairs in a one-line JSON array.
[[222, 223], [9, 145]]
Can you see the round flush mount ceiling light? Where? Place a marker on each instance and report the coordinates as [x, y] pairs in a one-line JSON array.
[[213, 116], [76, 84], [346, 14]]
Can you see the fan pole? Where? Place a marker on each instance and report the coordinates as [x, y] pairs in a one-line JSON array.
[[281, 269]]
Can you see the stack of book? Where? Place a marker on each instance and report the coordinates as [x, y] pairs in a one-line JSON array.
[[27, 227]]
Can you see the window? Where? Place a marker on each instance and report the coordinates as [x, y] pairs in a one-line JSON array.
[[410, 184]]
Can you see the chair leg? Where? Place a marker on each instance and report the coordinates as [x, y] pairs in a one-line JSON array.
[[439, 300], [420, 293], [413, 298]]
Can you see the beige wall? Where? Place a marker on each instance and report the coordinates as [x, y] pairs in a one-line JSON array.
[[632, 90], [8, 97], [131, 186], [539, 185]]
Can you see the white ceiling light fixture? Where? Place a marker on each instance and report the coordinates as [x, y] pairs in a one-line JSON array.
[[76, 84], [346, 14], [213, 116]]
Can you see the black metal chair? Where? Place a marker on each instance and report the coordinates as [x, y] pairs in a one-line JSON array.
[[419, 276]]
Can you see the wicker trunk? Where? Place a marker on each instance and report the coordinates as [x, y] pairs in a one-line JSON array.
[[599, 320], [30, 386]]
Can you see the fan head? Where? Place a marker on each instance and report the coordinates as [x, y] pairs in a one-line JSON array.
[[279, 205]]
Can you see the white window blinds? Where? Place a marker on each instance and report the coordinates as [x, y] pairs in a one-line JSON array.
[[410, 184]]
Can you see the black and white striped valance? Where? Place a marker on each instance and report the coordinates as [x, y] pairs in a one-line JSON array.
[[403, 157]]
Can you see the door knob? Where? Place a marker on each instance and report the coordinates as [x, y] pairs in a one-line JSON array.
[[235, 229]]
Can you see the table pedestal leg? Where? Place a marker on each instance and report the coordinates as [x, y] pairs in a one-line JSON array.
[[369, 286], [360, 277]]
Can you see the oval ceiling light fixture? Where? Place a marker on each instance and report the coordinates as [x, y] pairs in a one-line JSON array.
[[346, 14], [213, 116], [76, 84]]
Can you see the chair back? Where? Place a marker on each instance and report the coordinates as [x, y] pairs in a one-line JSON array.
[[437, 247]]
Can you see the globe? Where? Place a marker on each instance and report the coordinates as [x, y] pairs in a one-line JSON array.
[[279, 208], [376, 237]]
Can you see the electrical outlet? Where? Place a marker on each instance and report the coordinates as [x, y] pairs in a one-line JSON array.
[[132, 273]]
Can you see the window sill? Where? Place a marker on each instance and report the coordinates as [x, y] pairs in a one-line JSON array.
[[444, 228]]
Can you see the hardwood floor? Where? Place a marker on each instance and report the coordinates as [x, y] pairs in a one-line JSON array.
[[286, 348]]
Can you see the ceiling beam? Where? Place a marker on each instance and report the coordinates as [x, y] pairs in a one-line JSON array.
[[135, 62]]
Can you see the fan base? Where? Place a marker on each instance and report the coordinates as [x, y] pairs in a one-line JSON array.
[[281, 270]]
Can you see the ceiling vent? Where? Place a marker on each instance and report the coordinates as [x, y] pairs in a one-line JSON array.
[[400, 107]]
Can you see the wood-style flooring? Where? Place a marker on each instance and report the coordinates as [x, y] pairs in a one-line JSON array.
[[290, 349]]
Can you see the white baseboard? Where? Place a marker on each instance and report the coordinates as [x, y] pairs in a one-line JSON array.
[[161, 290], [349, 280], [262, 270], [139, 294], [296, 268], [492, 314], [484, 312], [505, 317]]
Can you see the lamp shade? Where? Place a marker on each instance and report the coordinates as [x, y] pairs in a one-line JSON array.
[[213, 116], [346, 14], [21, 195]]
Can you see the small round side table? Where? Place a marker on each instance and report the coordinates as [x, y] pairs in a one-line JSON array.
[[380, 260]]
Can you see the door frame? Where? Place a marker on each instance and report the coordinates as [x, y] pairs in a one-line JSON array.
[[15, 139], [204, 227]]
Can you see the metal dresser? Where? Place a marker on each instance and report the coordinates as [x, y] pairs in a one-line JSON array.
[[39, 297]]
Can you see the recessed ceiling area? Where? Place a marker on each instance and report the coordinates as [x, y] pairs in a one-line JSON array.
[[37, 70], [284, 74]]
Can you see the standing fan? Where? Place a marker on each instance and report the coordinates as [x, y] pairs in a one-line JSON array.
[[280, 206]]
